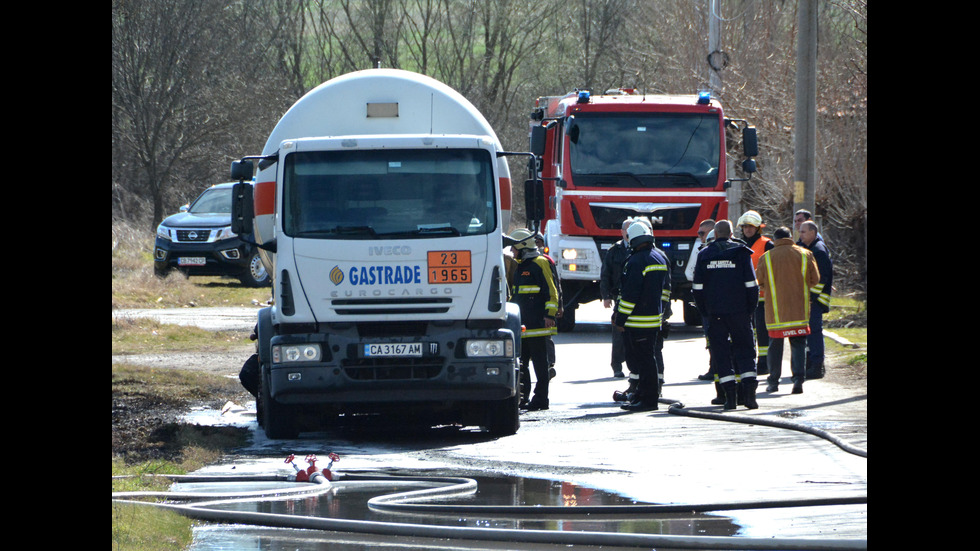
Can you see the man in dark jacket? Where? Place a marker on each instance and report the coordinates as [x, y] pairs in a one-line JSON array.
[[612, 271], [726, 293], [819, 297], [645, 288]]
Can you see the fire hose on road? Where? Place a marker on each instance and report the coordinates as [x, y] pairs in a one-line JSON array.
[[314, 482]]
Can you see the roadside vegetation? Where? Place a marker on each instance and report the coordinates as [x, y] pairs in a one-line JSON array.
[[147, 436]]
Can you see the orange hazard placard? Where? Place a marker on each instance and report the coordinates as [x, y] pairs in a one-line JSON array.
[[449, 267]]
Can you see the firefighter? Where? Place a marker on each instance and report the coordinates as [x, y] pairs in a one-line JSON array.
[[644, 294], [535, 291], [751, 224], [788, 273], [727, 294]]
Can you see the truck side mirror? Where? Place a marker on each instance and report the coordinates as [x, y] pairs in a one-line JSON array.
[[750, 142], [748, 166], [572, 129], [242, 208], [539, 135], [534, 200], [242, 170]]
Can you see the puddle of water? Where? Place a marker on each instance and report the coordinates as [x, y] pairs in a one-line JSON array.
[[349, 501]]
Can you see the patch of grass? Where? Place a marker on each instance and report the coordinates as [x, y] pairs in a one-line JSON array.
[[143, 528], [148, 336]]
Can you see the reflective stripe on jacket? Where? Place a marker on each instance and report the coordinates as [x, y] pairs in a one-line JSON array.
[[645, 291], [536, 292], [787, 273]]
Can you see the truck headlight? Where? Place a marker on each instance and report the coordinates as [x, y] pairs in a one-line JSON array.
[[163, 232], [489, 348], [224, 233], [287, 353]]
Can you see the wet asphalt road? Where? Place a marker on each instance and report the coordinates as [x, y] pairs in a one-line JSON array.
[[585, 439]]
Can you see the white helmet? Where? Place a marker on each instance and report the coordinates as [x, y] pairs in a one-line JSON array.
[[523, 239], [750, 218], [638, 232]]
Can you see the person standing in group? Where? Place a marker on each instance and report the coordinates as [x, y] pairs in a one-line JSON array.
[[644, 291], [539, 243], [704, 230], [786, 274], [819, 297], [534, 290], [726, 293], [609, 279], [751, 224]]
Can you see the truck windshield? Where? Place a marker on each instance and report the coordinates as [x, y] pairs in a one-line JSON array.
[[383, 194], [641, 150]]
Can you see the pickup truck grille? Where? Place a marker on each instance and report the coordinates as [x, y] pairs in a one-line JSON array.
[[193, 236], [391, 369]]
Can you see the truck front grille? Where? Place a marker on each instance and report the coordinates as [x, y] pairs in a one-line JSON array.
[[682, 217], [362, 307], [391, 369]]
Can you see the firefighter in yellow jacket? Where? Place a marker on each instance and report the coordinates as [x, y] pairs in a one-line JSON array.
[[534, 289], [786, 273]]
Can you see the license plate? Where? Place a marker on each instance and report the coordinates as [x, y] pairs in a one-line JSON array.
[[191, 261], [388, 349], [449, 267]]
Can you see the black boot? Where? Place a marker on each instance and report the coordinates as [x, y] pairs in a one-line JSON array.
[[719, 398], [730, 394], [749, 385], [814, 370], [739, 393]]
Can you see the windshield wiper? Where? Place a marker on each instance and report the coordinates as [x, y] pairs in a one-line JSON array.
[[437, 228]]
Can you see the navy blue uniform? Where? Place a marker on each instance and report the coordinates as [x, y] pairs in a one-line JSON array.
[[726, 293], [819, 302], [644, 296]]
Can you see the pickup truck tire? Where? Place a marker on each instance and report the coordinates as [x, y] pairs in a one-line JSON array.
[[276, 419], [256, 274]]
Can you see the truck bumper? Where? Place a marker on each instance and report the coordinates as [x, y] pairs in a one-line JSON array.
[[346, 375]]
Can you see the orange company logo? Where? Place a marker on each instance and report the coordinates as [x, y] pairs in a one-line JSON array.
[[336, 275]]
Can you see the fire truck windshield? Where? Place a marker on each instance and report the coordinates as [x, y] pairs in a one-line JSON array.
[[386, 194], [645, 150]]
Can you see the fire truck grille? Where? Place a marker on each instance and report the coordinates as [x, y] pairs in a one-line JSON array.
[[680, 218]]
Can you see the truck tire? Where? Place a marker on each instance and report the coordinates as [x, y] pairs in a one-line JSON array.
[[503, 416], [275, 418], [256, 274], [692, 316], [566, 323]]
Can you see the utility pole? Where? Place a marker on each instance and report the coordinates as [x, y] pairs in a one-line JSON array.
[[805, 165], [718, 60]]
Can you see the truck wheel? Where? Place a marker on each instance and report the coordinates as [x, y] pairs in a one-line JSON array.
[[276, 419], [566, 323], [504, 416], [691, 315], [256, 274]]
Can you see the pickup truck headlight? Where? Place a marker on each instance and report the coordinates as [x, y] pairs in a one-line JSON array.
[[224, 233], [288, 353], [163, 232], [489, 348]]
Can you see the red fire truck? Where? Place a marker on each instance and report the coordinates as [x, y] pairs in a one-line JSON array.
[[603, 158]]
